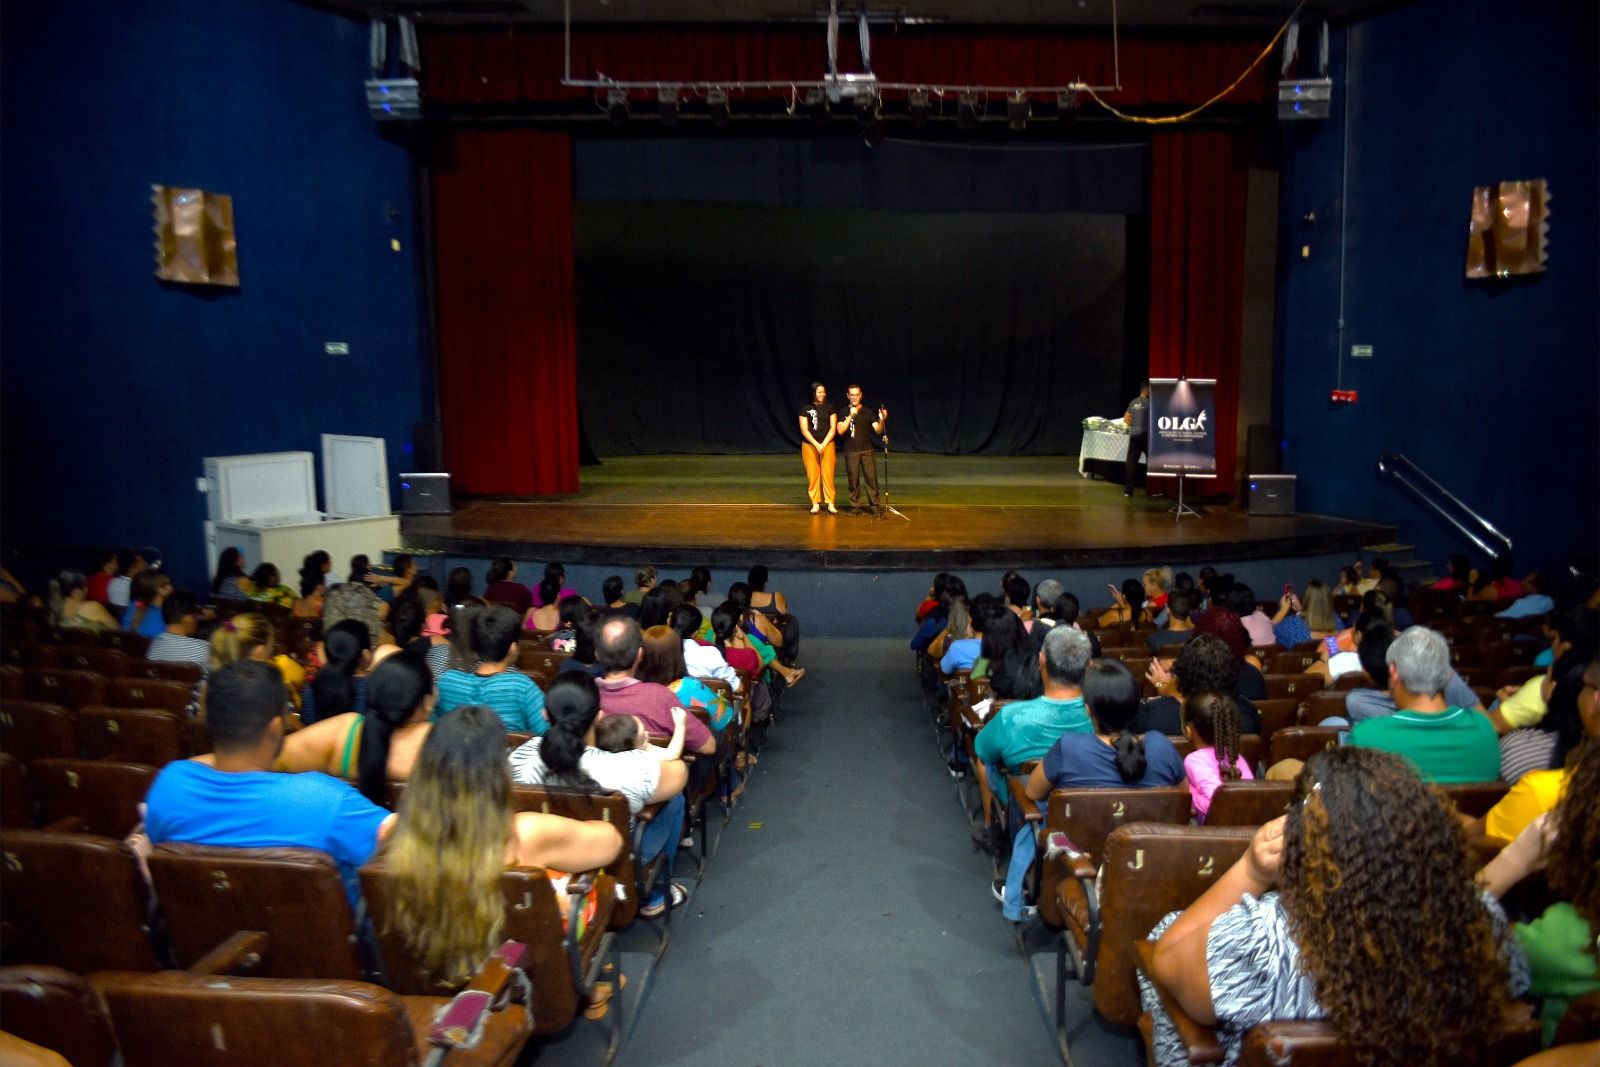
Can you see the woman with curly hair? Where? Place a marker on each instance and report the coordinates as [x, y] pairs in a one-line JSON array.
[[1329, 914], [456, 833], [1561, 944], [1205, 665]]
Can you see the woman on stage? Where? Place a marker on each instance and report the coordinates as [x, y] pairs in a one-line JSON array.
[[817, 428]]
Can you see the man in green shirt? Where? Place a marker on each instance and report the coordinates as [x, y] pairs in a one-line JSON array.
[[1026, 730], [1444, 743]]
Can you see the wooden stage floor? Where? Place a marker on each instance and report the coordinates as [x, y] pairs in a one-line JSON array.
[[959, 511]]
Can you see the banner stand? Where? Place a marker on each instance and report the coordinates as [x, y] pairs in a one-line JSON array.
[[1182, 509]]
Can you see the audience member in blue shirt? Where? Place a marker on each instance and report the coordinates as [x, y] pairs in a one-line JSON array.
[[1532, 601], [233, 798], [143, 615]]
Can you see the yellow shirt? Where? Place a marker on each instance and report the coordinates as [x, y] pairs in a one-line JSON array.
[[1534, 794], [1526, 706]]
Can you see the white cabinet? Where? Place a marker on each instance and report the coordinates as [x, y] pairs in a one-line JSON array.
[[266, 505]]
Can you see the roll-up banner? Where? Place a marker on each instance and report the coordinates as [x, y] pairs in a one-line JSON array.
[[1183, 429]]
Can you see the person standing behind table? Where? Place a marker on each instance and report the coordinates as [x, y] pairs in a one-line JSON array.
[[1137, 419], [818, 425], [860, 436]]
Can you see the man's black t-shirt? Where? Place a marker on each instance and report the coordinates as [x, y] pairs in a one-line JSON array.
[[859, 436], [816, 416]]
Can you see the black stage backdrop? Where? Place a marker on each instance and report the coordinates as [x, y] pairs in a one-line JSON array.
[[701, 325]]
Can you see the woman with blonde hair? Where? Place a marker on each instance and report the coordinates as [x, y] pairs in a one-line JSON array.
[[250, 636], [456, 833]]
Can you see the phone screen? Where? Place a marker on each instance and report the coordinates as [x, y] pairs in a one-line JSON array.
[[1333, 645], [1288, 589]]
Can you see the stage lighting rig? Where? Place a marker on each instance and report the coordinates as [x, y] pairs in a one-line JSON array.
[[1066, 105], [717, 105], [917, 104], [816, 105], [967, 110], [1017, 111], [667, 106], [617, 106]]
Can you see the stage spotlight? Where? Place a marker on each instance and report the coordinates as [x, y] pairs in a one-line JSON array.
[[967, 111], [817, 106], [717, 105], [1017, 110], [667, 105], [1067, 104], [617, 106], [918, 105]]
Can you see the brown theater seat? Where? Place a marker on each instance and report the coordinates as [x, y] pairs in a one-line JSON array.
[[188, 673], [60, 1011], [1302, 742], [1248, 803], [1474, 798], [31, 729], [541, 663], [152, 736], [107, 661], [104, 794], [16, 800], [293, 895], [1326, 704], [1295, 686], [563, 970], [211, 1021], [1276, 714], [150, 693], [72, 689], [74, 900], [632, 880], [1148, 871], [29, 654], [135, 645], [1354, 680], [13, 682]]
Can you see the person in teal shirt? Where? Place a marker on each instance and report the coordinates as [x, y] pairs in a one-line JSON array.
[[1026, 730], [1444, 743]]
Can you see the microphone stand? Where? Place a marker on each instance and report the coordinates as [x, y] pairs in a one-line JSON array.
[[888, 508]]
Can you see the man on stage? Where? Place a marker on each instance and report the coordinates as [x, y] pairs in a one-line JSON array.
[[1137, 418], [860, 437]]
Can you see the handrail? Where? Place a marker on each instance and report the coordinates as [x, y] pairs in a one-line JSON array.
[[1401, 470]]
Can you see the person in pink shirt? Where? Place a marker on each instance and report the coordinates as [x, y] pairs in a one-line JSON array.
[[1211, 723]]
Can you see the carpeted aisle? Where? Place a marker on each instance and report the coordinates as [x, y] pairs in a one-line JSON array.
[[846, 916]]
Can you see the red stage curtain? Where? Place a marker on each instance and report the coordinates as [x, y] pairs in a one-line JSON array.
[[474, 67], [507, 326], [1197, 223]]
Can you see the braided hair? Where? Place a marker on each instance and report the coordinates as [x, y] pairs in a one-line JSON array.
[[1215, 718]]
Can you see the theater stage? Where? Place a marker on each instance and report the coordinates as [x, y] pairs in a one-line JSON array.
[[960, 511]]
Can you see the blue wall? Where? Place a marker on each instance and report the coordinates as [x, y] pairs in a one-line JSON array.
[[115, 384], [1490, 387]]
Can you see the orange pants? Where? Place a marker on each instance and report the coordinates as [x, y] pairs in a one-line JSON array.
[[819, 473]]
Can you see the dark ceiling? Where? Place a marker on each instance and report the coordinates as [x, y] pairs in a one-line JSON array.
[[1144, 14]]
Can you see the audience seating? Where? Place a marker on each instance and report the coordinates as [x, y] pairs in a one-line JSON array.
[[150, 693], [202, 1021], [28, 654], [139, 735], [1289, 662], [76, 901], [634, 881], [293, 895], [135, 645], [72, 689], [564, 969], [1324, 705], [102, 795], [60, 1011], [107, 661], [74, 637], [31, 730], [1582, 1020], [1474, 798], [1302, 742], [1293, 686], [1354, 680], [13, 682], [1148, 870], [1248, 803], [188, 673], [1276, 714], [540, 663], [16, 802]]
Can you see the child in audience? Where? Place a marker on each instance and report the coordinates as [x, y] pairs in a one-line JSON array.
[[626, 733], [1211, 723]]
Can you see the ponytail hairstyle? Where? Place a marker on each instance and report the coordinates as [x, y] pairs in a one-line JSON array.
[[571, 704], [334, 689], [396, 689], [142, 595], [405, 622], [462, 617], [360, 567], [724, 623], [499, 570], [237, 638], [311, 568], [1215, 718], [550, 586], [457, 586], [584, 631], [1111, 694]]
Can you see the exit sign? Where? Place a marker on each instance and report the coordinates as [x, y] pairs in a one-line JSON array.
[[1360, 351]]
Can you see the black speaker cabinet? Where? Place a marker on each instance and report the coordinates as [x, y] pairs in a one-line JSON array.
[[1269, 494], [425, 493]]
